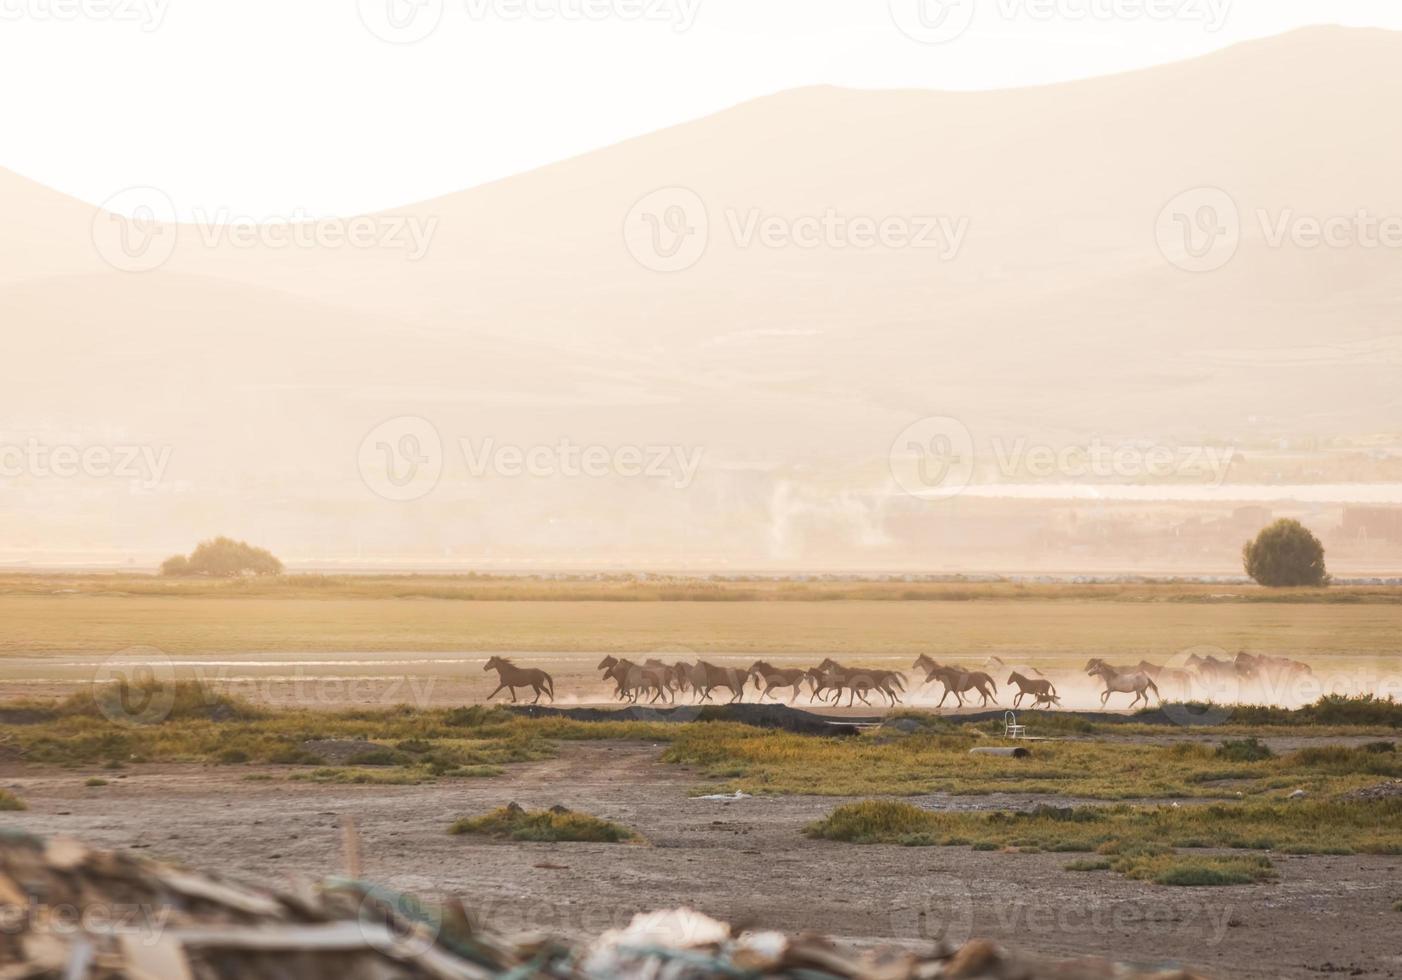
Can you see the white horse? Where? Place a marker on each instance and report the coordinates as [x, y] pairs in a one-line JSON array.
[[1136, 682]]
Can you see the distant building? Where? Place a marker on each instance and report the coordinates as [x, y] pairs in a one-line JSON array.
[[1373, 524], [1252, 515]]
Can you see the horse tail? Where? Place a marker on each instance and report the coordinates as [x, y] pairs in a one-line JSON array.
[[1155, 687], [549, 682]]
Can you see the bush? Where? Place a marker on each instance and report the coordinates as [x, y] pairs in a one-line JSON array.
[[1285, 554], [1245, 750], [8, 801], [557, 824], [223, 558]]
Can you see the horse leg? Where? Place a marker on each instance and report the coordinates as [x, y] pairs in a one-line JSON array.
[[496, 692]]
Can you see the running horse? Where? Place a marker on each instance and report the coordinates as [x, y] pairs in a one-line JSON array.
[[1041, 690], [512, 677], [1117, 681]]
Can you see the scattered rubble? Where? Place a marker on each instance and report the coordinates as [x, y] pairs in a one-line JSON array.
[[1381, 791], [76, 912]]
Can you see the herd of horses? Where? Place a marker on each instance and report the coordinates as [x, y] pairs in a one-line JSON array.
[[657, 681]]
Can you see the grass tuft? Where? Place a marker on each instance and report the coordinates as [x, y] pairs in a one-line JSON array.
[[9, 801], [1089, 864], [1132, 838], [514, 823]]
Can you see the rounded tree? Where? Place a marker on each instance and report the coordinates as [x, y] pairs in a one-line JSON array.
[[223, 558], [1285, 554]]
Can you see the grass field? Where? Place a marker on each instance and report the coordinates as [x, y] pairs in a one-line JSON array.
[[653, 588], [1031, 627]]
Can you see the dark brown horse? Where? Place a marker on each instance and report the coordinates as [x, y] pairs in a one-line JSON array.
[[632, 680], [1041, 690], [512, 677], [704, 678], [960, 682], [770, 678]]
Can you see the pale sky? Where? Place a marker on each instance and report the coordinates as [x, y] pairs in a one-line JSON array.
[[278, 108]]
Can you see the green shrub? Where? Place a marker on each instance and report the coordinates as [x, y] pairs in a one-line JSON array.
[[871, 820], [1245, 750], [9, 801], [1284, 555], [1089, 864], [515, 823]]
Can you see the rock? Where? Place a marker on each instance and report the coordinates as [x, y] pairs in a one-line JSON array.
[[1299, 794], [515, 808], [559, 808]]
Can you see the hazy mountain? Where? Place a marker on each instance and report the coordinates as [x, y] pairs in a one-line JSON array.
[[527, 319]]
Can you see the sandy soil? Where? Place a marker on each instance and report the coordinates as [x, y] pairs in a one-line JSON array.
[[742, 860]]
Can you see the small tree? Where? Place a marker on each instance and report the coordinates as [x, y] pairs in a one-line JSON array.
[[1285, 554], [223, 558]]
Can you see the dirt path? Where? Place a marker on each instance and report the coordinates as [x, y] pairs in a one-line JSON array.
[[744, 860]]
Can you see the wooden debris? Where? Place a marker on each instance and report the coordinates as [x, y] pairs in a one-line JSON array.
[[192, 926]]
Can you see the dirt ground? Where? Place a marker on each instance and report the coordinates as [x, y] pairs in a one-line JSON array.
[[742, 860], [434, 680]]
